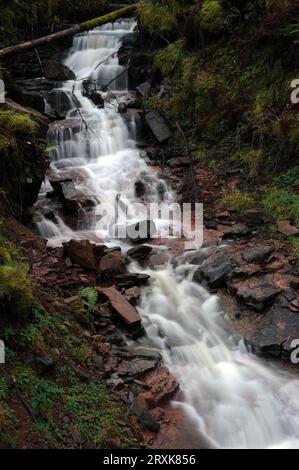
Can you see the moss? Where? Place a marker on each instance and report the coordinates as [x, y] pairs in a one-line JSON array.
[[237, 201], [19, 124], [170, 58], [16, 287], [211, 16], [158, 18], [110, 17], [16, 291], [4, 142]]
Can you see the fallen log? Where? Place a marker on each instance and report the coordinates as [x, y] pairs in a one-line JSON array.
[[85, 26]]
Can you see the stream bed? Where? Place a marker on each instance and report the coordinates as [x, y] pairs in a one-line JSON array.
[[230, 396]]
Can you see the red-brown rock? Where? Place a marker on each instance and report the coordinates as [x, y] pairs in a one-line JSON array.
[[121, 305], [80, 252]]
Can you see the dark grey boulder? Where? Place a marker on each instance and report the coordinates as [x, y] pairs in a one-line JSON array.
[[59, 72], [158, 126]]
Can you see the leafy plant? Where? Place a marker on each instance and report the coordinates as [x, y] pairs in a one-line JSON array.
[[90, 295]]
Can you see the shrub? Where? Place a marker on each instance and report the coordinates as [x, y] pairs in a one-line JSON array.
[[237, 201], [252, 159], [282, 204]]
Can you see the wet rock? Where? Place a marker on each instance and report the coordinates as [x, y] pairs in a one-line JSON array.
[[141, 231], [132, 294], [139, 408], [257, 255], [140, 189], [122, 108], [130, 101], [158, 126], [131, 279], [237, 232], [80, 252], [113, 263], [113, 249], [115, 382], [159, 259], [90, 91], [255, 217], [215, 271], [148, 353], [179, 162], [121, 306], [139, 252], [55, 71], [72, 201], [144, 89], [99, 251], [284, 227], [31, 99], [257, 294], [162, 385], [140, 366]]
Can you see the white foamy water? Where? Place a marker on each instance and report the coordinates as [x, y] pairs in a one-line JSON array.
[[234, 400]]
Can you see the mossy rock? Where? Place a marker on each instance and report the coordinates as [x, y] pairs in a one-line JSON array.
[[19, 124], [16, 291]]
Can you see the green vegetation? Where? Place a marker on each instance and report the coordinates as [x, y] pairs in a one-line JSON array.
[[72, 408], [233, 90], [211, 16], [230, 65], [16, 290], [282, 204], [158, 17], [90, 295], [19, 124], [237, 201]]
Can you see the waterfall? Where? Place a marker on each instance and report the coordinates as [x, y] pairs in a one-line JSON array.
[[234, 399]]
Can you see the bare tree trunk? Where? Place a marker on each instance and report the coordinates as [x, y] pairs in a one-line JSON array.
[[87, 25]]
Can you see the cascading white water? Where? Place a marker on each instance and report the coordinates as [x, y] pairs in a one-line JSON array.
[[233, 399], [95, 144]]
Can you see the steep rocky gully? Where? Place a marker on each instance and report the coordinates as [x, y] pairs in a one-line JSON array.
[[134, 324]]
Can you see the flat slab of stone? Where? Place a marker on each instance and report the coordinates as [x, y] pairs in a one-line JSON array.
[[158, 126], [120, 304], [287, 229]]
